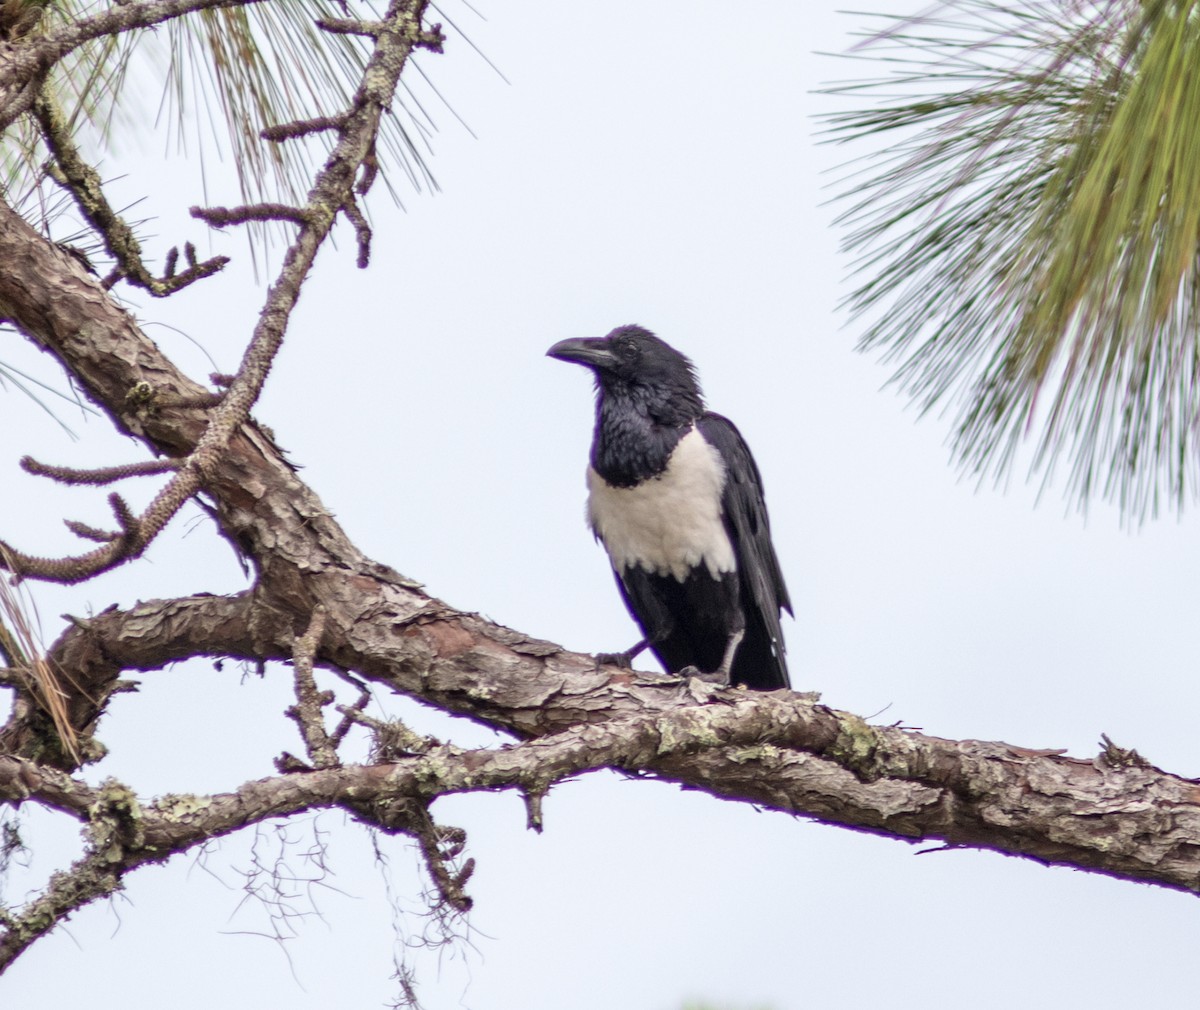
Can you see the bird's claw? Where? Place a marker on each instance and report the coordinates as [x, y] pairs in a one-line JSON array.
[[621, 659], [717, 678], [699, 686]]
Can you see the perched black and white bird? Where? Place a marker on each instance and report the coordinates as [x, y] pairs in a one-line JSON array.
[[675, 497]]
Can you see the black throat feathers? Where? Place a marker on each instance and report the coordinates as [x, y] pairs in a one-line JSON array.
[[638, 427]]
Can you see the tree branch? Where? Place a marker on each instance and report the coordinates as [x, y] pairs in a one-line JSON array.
[[387, 630], [568, 715], [332, 191], [93, 657], [83, 183], [307, 712], [100, 475], [778, 750]]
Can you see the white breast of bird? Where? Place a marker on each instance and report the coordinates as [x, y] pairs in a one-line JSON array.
[[670, 524]]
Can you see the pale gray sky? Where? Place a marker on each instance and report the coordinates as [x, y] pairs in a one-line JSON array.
[[651, 163]]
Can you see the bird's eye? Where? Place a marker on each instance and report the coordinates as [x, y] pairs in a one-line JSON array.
[[628, 349]]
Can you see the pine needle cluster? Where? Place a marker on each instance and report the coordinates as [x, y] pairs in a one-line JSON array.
[[1026, 243]]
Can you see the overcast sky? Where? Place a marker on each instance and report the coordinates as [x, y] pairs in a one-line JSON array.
[[651, 163]]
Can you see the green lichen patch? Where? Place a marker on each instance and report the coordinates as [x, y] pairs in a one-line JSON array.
[[115, 821], [855, 745], [179, 806]]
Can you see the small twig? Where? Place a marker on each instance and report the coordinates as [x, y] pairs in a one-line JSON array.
[[219, 217], [350, 26], [288, 764], [1120, 757], [362, 232], [392, 738], [83, 182], [306, 713], [100, 475], [302, 128], [139, 532], [441, 845], [130, 526], [93, 533], [533, 796], [348, 720], [432, 38]]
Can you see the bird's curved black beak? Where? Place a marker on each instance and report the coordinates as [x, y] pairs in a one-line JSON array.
[[594, 352]]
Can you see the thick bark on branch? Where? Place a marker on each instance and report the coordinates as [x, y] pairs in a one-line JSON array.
[[318, 601], [779, 751]]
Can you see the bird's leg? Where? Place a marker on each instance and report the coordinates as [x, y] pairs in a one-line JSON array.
[[721, 675], [731, 649], [622, 659]]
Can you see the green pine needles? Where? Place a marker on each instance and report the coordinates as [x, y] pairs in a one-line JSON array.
[[1027, 242], [219, 77]]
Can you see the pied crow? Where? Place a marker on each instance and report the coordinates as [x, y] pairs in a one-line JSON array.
[[676, 498]]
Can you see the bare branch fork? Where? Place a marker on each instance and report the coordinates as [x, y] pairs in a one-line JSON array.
[[399, 33], [125, 833], [440, 846], [82, 181]]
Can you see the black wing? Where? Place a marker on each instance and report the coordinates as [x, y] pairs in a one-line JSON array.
[[760, 661]]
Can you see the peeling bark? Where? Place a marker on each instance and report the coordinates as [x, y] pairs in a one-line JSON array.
[[1115, 814]]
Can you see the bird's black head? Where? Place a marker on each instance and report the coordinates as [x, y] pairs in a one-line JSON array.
[[631, 364]]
